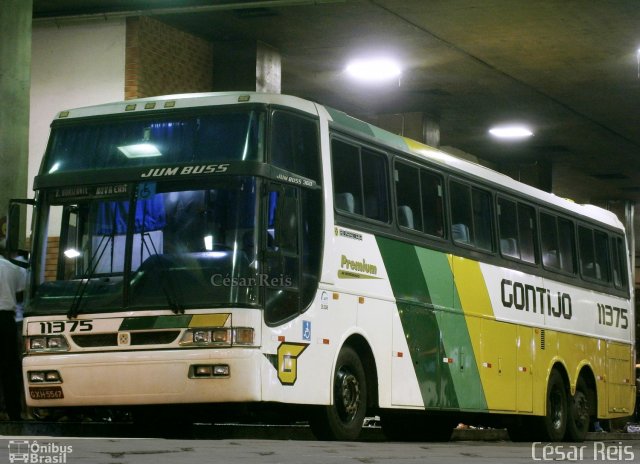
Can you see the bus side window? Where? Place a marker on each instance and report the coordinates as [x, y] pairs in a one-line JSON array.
[[527, 233], [282, 254], [618, 260], [549, 241], [294, 144], [471, 216], [347, 179], [407, 182], [507, 224], [431, 187], [460, 213]]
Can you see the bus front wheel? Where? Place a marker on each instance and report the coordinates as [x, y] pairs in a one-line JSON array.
[[344, 418]]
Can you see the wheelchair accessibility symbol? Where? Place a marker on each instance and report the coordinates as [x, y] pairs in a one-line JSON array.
[[306, 330]]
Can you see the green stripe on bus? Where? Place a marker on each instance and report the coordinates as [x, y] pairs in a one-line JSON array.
[[419, 323], [155, 322], [404, 271], [455, 333], [349, 122]]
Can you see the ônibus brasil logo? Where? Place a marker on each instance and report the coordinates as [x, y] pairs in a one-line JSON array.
[[33, 452]]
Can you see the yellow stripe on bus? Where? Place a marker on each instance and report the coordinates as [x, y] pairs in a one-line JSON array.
[[209, 320], [484, 331]]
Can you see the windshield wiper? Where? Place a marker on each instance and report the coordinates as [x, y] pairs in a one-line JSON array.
[[92, 265], [169, 295]]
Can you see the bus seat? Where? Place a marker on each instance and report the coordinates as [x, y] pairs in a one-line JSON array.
[[460, 233], [550, 259], [345, 202], [509, 247], [589, 270], [405, 216]]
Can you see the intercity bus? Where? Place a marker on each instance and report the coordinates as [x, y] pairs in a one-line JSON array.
[[245, 251]]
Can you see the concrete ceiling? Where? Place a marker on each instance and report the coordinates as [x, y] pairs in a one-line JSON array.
[[568, 68]]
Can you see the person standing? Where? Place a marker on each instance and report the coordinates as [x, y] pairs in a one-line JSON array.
[[12, 283]]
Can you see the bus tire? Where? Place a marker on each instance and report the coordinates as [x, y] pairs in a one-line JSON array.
[[343, 419], [553, 425], [578, 413]]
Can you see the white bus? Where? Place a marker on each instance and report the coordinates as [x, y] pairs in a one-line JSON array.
[[244, 250]]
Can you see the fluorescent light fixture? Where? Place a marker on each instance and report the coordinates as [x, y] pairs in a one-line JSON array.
[[511, 132], [208, 242], [374, 70], [71, 253], [139, 150]]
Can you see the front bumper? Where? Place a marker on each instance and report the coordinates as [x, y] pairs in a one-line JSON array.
[[144, 377]]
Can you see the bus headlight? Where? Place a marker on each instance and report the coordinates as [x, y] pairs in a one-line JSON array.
[[207, 337], [219, 336], [47, 343]]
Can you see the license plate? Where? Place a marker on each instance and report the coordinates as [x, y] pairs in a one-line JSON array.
[[46, 393]]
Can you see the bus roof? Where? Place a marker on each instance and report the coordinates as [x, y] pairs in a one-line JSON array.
[[349, 123], [420, 150], [188, 100]]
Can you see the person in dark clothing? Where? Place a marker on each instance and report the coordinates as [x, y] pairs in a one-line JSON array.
[[12, 283]]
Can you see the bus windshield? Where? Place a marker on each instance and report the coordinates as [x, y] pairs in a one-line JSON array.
[[224, 135], [174, 246]]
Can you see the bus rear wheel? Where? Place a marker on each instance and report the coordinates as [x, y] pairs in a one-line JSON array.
[[344, 418], [579, 413], [552, 426]]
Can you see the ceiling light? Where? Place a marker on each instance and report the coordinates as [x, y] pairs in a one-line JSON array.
[[511, 132], [374, 70]]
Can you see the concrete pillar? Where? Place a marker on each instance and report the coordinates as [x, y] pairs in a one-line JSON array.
[[418, 126], [15, 75], [246, 65]]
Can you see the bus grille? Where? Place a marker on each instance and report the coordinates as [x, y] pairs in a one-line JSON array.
[[153, 337]]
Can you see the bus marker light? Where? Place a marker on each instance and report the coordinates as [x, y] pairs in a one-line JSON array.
[[336, 296], [487, 365], [221, 370], [52, 376], [324, 341], [207, 371], [400, 354], [36, 376], [244, 98], [280, 338], [44, 377], [243, 336], [202, 371], [170, 104], [447, 360], [149, 106], [131, 107], [522, 369], [361, 300]]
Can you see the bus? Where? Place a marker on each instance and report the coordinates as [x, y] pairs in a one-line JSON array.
[[229, 252]]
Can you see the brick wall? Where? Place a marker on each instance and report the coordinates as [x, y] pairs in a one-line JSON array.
[[51, 262], [162, 60]]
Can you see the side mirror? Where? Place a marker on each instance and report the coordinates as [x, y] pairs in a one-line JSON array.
[[16, 226]]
